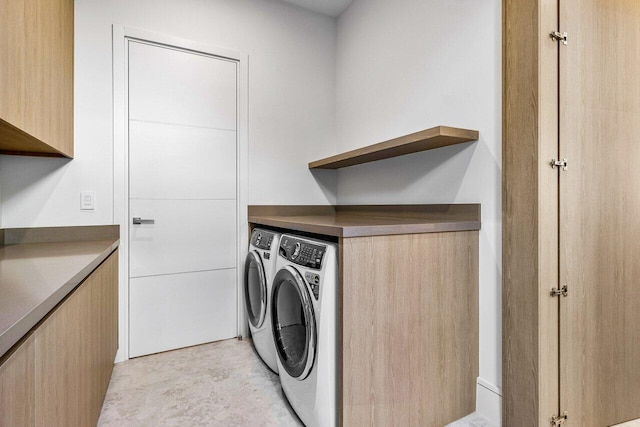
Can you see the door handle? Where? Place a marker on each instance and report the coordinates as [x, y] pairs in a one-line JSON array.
[[138, 220]]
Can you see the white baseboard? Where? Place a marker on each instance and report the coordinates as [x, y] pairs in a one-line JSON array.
[[120, 356], [489, 401]]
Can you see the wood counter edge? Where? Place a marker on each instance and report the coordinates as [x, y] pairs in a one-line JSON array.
[[424, 218], [366, 230], [82, 233]]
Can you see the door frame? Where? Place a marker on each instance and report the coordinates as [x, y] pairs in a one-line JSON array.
[[121, 35]]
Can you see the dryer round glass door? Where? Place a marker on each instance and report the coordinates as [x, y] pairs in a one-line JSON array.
[[294, 327], [255, 289]]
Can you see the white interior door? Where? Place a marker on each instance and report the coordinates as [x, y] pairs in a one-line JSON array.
[[183, 186]]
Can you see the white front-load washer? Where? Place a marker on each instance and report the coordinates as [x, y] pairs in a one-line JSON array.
[[259, 269], [303, 313]]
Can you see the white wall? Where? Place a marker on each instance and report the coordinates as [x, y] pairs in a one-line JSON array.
[[407, 65], [291, 105]]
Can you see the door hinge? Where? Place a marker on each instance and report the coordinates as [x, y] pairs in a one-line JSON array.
[[560, 37], [558, 292], [564, 164], [558, 420]]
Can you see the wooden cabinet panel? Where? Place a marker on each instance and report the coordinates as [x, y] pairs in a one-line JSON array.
[[600, 206], [36, 77], [12, 61], [409, 329], [75, 348], [576, 227], [49, 72], [17, 386], [530, 214]]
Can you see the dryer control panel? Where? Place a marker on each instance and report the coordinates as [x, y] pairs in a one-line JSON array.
[[302, 252], [261, 239]]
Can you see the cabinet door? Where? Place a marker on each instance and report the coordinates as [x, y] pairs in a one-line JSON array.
[[17, 390], [75, 349], [409, 338], [36, 77], [12, 58], [600, 211], [49, 73]]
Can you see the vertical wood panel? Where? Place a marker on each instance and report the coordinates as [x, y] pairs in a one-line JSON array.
[[409, 329], [530, 213], [17, 386], [342, 395], [520, 338], [57, 364], [12, 61], [48, 112], [548, 207], [36, 76], [75, 348], [600, 207]]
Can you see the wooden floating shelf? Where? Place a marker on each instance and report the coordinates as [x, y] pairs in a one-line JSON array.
[[439, 136]]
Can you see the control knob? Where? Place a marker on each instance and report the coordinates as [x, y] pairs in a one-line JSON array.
[[296, 250]]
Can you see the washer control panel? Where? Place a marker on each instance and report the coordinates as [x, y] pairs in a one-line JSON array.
[[261, 239], [302, 252]]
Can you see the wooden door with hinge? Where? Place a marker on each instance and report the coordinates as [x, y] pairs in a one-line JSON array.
[[599, 220]]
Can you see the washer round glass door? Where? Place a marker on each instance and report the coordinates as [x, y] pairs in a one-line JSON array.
[[255, 289], [294, 328]]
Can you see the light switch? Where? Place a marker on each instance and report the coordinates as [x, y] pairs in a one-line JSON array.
[[87, 200]]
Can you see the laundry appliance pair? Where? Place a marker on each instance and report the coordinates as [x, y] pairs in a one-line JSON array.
[[291, 301]]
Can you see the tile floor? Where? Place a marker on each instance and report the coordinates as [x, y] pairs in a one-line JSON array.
[[219, 384]]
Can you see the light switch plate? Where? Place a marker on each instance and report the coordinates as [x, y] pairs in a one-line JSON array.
[[87, 200]]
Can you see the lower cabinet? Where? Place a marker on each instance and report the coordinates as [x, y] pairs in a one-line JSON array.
[[60, 373], [409, 341], [17, 385]]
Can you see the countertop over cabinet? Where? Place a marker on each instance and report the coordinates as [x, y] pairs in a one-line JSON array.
[[39, 267], [407, 281], [369, 220]]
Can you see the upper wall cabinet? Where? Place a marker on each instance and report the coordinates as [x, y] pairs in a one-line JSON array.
[[36, 77]]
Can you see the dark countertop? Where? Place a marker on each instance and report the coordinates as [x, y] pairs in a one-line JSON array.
[[37, 273], [369, 220]]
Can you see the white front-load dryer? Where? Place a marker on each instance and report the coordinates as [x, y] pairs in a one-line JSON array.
[[303, 313], [259, 269]]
